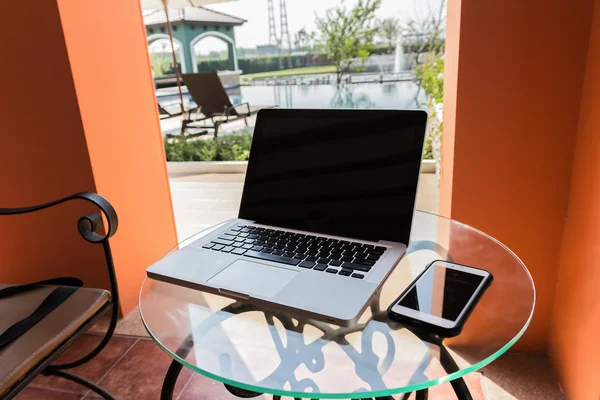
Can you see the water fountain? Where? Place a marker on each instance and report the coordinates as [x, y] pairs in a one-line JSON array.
[[399, 56]]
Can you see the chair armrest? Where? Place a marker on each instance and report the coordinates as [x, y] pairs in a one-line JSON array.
[[233, 107], [88, 224]]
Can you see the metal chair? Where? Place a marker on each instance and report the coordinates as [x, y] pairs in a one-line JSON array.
[[34, 352]]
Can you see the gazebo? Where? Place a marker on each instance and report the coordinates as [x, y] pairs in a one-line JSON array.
[[190, 25]]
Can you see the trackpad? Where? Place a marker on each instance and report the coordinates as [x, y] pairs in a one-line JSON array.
[[253, 278]]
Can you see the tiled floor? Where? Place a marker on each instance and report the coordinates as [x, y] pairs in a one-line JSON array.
[[133, 369]]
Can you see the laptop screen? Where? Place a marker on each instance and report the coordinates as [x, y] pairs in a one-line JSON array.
[[350, 173]]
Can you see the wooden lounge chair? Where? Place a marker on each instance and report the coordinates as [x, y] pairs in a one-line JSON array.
[[39, 321], [213, 103]]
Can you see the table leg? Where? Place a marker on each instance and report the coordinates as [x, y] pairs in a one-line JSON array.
[[170, 380], [460, 387], [419, 395], [174, 369]]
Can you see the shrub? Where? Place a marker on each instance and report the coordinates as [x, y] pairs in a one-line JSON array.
[[233, 147], [252, 65]]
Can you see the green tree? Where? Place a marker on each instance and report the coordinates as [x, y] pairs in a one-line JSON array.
[[348, 35], [430, 76], [389, 30], [426, 33], [304, 40]]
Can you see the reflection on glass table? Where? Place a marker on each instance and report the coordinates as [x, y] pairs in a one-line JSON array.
[[252, 350]]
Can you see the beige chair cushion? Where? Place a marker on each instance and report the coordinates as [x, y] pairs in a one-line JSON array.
[[24, 353]]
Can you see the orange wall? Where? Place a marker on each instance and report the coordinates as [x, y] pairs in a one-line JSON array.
[[43, 152], [574, 345], [115, 91], [78, 113], [514, 105]]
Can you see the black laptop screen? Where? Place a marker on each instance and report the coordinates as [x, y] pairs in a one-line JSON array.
[[350, 173]]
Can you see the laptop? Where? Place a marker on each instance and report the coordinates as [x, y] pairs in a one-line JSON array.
[[325, 215]]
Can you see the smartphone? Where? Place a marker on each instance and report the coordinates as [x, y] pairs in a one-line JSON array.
[[441, 299]]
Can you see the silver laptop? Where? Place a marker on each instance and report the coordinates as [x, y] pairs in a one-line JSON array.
[[325, 215]]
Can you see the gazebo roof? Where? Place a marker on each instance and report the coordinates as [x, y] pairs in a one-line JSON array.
[[191, 14]]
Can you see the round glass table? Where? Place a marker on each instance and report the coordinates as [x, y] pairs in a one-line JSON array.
[[255, 351]]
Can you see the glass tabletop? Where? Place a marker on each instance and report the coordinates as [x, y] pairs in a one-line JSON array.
[[252, 348]]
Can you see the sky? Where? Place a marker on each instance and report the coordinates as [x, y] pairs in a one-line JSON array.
[[301, 13]]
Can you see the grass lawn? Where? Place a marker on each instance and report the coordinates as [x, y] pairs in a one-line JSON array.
[[328, 69]]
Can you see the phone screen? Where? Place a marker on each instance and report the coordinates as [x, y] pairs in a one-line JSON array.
[[442, 292]]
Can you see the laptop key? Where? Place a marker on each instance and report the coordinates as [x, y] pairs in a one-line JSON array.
[[227, 249], [331, 270], [217, 247], [247, 246], [358, 276], [335, 263], [243, 235], [359, 267], [252, 236], [373, 257], [239, 239], [236, 229], [273, 257], [208, 245], [230, 233], [301, 256], [323, 260], [312, 258], [267, 250], [237, 244], [245, 230], [249, 241], [320, 267], [379, 250], [306, 264], [277, 252], [347, 258], [257, 248], [345, 272], [289, 254], [223, 242], [238, 252]]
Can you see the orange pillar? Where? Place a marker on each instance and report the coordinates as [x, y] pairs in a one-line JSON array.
[[79, 113], [574, 347], [513, 88]]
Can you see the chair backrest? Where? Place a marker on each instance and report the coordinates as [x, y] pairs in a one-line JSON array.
[[208, 92]]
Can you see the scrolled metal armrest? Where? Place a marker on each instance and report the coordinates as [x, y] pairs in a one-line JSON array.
[[87, 225]]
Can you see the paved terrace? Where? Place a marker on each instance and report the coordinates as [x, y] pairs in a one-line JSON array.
[[201, 201]]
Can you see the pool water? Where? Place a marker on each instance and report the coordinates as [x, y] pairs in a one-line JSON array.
[[391, 95]]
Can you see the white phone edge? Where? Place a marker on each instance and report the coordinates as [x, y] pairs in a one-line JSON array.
[[432, 319]]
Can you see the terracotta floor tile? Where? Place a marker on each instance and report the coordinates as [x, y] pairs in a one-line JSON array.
[[203, 388], [446, 392], [31, 393], [139, 375], [92, 370]]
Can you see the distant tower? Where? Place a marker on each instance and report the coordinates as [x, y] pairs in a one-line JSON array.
[[285, 38], [272, 32]]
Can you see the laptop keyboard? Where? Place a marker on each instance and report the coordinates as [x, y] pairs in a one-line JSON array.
[[332, 256]]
